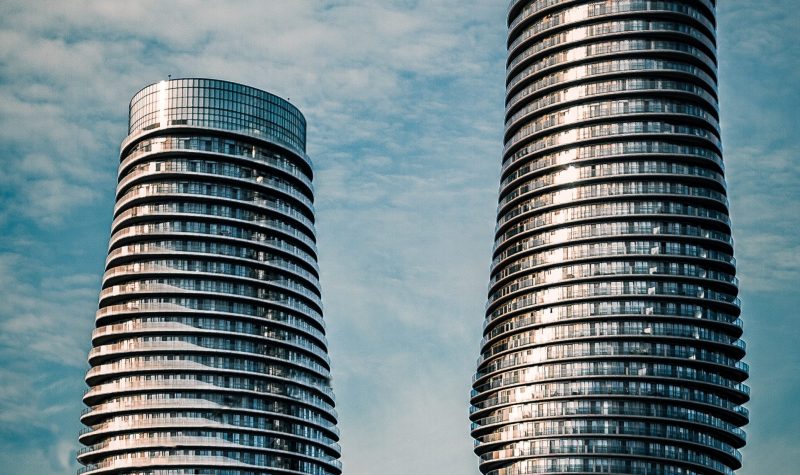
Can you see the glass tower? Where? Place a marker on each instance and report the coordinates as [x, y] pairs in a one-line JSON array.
[[209, 353], [611, 342]]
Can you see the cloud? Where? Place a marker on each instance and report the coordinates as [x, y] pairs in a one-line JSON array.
[[403, 134], [404, 104], [760, 147], [759, 100], [68, 74], [40, 313], [44, 324], [766, 242]]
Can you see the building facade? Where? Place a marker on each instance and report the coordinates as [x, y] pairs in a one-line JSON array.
[[209, 353], [611, 341]]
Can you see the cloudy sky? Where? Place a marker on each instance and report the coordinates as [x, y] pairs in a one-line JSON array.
[[404, 100]]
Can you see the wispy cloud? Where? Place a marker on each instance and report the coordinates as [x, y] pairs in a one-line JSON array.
[[759, 71], [45, 318], [759, 66], [404, 104]]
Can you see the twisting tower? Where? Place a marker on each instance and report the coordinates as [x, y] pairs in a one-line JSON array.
[[209, 353], [611, 341]]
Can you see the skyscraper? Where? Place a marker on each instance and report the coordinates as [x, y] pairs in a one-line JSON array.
[[612, 335], [209, 353]]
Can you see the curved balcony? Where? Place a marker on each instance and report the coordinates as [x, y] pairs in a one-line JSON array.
[[647, 373], [662, 393], [538, 7], [575, 237], [197, 285], [642, 345], [253, 156], [170, 191], [259, 328], [290, 394], [577, 14], [644, 150], [144, 422], [193, 363], [605, 70], [518, 274], [553, 292], [594, 409], [202, 228], [178, 268], [180, 461], [662, 452], [610, 49], [224, 348], [558, 296], [608, 192], [128, 236], [612, 89], [553, 186], [138, 301], [273, 442], [142, 214], [564, 172], [221, 309], [663, 441], [287, 340], [648, 130], [263, 184], [135, 404], [525, 48], [632, 350], [207, 250], [548, 219]]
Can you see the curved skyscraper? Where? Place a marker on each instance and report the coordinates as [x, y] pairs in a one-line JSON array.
[[612, 335], [209, 353]]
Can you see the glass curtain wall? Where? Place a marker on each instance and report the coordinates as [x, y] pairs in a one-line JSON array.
[[612, 333], [209, 353]]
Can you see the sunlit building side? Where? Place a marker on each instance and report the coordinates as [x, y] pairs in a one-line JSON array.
[[209, 353], [611, 341]]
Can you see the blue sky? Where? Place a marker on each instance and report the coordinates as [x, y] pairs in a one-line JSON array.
[[404, 101]]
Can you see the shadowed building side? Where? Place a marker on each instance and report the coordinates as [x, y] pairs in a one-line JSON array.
[[612, 334], [209, 353]]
